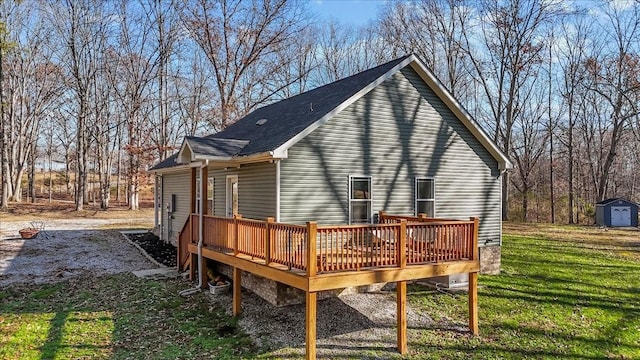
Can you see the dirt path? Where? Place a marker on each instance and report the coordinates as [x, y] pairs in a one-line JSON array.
[[74, 247]]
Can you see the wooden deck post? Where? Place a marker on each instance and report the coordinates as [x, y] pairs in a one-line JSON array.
[[192, 203], [237, 291], [422, 217], [311, 309], [473, 282], [473, 303], [381, 219], [192, 267], [312, 262], [194, 257], [267, 240], [401, 299], [402, 244], [235, 233], [204, 278]]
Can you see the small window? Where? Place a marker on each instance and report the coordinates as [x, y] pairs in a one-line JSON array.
[[210, 195], [359, 199], [425, 196]]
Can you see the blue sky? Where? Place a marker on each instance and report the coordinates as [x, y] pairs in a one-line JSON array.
[[352, 12]]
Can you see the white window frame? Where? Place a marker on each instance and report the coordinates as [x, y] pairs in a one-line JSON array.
[[415, 194], [198, 188], [229, 194], [211, 182], [351, 199]]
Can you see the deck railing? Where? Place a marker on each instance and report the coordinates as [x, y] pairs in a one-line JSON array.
[[288, 245], [396, 242]]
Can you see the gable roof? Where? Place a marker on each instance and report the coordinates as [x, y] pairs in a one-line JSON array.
[[271, 130]]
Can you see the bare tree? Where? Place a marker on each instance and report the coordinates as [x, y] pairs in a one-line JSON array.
[[616, 79], [505, 51], [434, 31], [241, 40], [79, 24], [33, 83], [572, 54]]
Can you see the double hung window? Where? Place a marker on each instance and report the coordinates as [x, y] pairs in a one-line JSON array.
[[359, 199]]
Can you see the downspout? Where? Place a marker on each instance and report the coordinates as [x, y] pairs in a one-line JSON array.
[[277, 190], [188, 292], [201, 225]]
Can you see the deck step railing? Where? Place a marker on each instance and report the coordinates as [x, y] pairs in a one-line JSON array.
[[396, 242]]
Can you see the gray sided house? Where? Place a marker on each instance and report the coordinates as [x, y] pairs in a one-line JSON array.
[[390, 138], [617, 212]]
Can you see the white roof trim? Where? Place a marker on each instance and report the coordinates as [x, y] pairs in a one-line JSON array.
[[434, 84]]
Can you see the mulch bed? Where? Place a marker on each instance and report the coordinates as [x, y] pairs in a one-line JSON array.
[[161, 251]]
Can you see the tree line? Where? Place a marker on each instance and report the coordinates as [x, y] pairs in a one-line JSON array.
[[111, 87]]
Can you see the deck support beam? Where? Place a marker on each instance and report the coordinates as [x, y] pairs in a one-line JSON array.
[[473, 279], [311, 312], [401, 299], [473, 302], [192, 267], [237, 291]]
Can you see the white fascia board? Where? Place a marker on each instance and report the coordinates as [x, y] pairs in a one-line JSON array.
[[444, 95], [199, 157], [282, 149]]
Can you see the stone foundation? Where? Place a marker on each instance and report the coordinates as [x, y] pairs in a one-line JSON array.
[[489, 265], [490, 260]]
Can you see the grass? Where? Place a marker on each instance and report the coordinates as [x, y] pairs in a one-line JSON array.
[[115, 317], [564, 293]]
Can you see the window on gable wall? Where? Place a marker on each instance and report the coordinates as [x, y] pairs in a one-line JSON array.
[[425, 196], [359, 199]]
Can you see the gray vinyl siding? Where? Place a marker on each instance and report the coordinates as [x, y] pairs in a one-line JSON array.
[[256, 190], [397, 132], [179, 184]]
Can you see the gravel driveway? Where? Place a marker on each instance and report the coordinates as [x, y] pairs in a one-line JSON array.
[[73, 247]]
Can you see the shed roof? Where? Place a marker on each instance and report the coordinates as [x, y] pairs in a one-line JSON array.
[[611, 200]]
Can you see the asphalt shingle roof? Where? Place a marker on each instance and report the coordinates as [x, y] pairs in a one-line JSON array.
[[215, 147], [287, 118], [284, 119], [166, 163]]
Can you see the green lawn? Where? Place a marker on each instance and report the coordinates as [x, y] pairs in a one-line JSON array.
[[565, 292], [559, 296], [115, 317]]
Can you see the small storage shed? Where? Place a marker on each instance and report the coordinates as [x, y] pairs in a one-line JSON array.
[[616, 213]]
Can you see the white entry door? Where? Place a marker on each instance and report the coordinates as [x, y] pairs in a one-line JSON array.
[[232, 195], [620, 216]]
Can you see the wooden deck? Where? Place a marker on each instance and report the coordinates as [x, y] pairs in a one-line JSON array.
[[315, 258]]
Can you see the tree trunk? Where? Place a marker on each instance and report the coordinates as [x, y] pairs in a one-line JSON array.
[[4, 154], [32, 173]]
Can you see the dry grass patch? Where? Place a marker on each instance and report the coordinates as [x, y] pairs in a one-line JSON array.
[[623, 243], [59, 209]]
